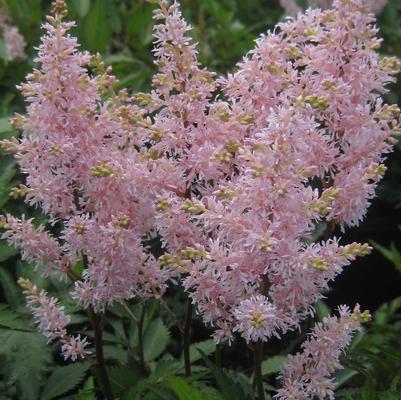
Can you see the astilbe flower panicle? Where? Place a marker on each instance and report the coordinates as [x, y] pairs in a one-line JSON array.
[[308, 100], [291, 7], [308, 374], [86, 166], [13, 40], [37, 246], [231, 174], [52, 321]]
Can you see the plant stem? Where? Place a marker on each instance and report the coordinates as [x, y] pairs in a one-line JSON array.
[[218, 356], [139, 324], [128, 311], [187, 337], [258, 354], [104, 378]]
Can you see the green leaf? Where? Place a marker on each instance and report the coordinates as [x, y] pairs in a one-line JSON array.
[[229, 389], [156, 338], [9, 319], [26, 355], [343, 376], [122, 379], [273, 365], [11, 291], [392, 254], [81, 7], [206, 347], [386, 311], [3, 56], [4, 122], [96, 28], [63, 379], [116, 353], [322, 310], [8, 172], [184, 390], [6, 251], [88, 391]]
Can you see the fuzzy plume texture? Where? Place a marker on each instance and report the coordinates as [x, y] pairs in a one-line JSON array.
[[230, 174], [83, 168], [307, 375], [13, 40], [52, 321], [303, 107], [291, 7]]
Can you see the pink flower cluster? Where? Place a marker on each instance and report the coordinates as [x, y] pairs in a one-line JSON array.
[[14, 41], [291, 7], [232, 174], [86, 165], [307, 375], [300, 140], [52, 321]]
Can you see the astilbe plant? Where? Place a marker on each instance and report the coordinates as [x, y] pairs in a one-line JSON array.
[[231, 174], [13, 40], [291, 7]]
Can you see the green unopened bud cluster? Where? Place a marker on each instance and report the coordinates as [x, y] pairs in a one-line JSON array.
[[123, 221], [353, 250], [246, 119], [143, 99], [190, 253], [226, 194], [319, 264], [19, 192], [162, 205], [224, 156], [167, 259], [193, 207], [362, 317], [317, 102], [391, 64], [323, 204], [103, 170]]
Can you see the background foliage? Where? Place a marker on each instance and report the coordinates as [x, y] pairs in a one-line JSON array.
[[121, 30]]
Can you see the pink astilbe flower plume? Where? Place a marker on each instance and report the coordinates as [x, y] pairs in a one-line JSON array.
[[291, 7], [13, 40], [231, 174], [306, 100], [308, 374], [52, 321], [85, 166]]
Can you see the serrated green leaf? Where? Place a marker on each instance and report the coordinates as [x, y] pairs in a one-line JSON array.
[[207, 347], [6, 251], [184, 390], [116, 353], [122, 379], [26, 355], [11, 291], [81, 7], [63, 379], [273, 365], [156, 338], [227, 386], [10, 320], [88, 391]]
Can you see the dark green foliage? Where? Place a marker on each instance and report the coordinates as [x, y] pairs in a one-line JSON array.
[[31, 369]]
